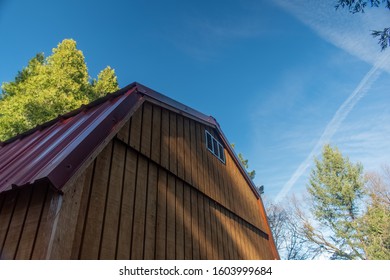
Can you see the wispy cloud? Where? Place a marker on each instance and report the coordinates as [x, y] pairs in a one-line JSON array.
[[202, 34], [350, 32], [362, 88], [365, 136]]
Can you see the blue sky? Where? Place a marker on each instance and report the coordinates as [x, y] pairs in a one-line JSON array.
[[281, 77]]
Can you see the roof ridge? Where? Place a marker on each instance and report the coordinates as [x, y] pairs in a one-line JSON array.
[[69, 114], [133, 95]]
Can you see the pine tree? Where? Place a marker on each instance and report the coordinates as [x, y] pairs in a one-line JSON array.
[[359, 6], [375, 222], [50, 86], [106, 82], [336, 189]]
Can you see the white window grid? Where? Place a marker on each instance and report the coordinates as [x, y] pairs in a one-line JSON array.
[[215, 147]]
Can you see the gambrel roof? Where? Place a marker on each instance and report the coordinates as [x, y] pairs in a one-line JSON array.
[[56, 150]]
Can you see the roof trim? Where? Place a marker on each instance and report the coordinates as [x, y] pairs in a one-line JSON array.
[[165, 101], [80, 151], [92, 126], [101, 130], [168, 103], [69, 114]]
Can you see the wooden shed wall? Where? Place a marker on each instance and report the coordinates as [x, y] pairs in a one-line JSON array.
[[177, 143], [26, 222], [156, 192], [131, 208]]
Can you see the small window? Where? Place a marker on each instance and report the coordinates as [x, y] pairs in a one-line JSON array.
[[215, 147], [209, 141], [221, 153]]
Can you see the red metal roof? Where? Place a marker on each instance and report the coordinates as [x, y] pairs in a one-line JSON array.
[[56, 150]]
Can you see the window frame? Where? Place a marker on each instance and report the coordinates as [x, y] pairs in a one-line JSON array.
[[217, 149]]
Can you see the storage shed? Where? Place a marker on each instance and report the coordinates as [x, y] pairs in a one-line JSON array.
[[132, 175]]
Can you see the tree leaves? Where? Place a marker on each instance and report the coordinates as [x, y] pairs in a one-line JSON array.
[[336, 187], [106, 82], [48, 87], [358, 6]]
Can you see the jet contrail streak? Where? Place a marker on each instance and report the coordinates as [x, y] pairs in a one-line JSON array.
[[334, 125]]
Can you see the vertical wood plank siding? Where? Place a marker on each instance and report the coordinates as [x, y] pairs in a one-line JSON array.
[[160, 194], [183, 152], [26, 220], [154, 192]]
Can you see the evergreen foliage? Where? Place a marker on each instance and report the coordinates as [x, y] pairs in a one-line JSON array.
[[245, 164], [50, 86], [375, 222], [358, 6], [345, 216], [336, 189]]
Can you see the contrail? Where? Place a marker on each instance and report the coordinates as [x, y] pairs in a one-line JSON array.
[[334, 124]]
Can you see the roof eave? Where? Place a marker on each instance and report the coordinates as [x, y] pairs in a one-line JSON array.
[[164, 101], [100, 135]]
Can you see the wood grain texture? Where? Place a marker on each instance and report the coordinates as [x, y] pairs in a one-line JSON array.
[[156, 135], [68, 231], [203, 242], [146, 131], [28, 235], [180, 221], [200, 147], [165, 153], [161, 223], [6, 219], [82, 213], [124, 133], [137, 251], [173, 139], [193, 154], [135, 129], [187, 152], [154, 192], [90, 245], [125, 232], [171, 218], [187, 223], [195, 225], [16, 224], [112, 204], [180, 147], [45, 228], [151, 207]]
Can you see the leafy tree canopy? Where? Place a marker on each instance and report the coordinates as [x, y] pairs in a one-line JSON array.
[[245, 164], [336, 188], [345, 216], [375, 222], [50, 86], [358, 6]]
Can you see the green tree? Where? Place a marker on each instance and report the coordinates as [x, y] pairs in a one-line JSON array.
[[345, 216], [375, 222], [245, 164], [286, 231], [358, 6], [33, 69], [106, 82], [50, 86], [336, 190]]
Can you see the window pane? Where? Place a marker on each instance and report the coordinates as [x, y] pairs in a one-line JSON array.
[[214, 146], [221, 153], [208, 141], [216, 152]]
